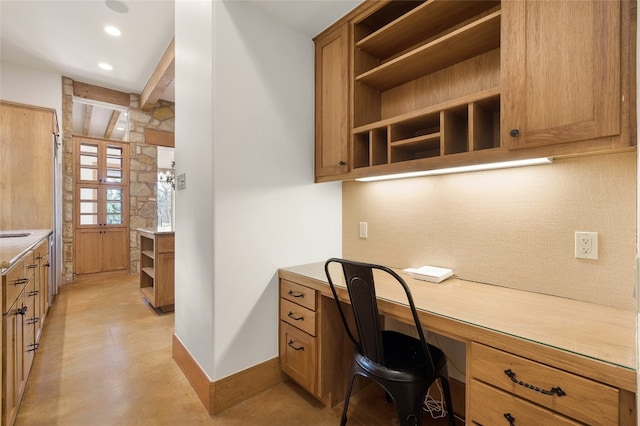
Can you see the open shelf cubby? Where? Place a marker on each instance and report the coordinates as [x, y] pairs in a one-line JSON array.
[[472, 124]]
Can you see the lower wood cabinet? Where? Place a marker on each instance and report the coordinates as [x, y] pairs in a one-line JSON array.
[[24, 306], [315, 351], [157, 268], [101, 250], [508, 389]]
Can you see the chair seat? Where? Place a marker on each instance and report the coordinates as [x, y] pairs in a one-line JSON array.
[[404, 359]]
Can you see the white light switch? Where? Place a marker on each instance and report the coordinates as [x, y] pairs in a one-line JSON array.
[[363, 230], [181, 181]]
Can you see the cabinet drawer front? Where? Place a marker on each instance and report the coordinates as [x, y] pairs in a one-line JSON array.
[[298, 316], [165, 243], [585, 400], [489, 406], [298, 294], [298, 357], [14, 282], [30, 264]]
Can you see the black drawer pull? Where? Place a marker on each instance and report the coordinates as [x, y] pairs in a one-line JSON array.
[[553, 391], [20, 281], [33, 293], [33, 347], [295, 318], [291, 345], [510, 419], [32, 266], [32, 320], [295, 293], [22, 311]]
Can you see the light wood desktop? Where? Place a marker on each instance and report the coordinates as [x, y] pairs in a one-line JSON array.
[[587, 350]]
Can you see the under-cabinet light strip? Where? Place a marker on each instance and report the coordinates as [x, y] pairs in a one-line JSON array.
[[462, 169]]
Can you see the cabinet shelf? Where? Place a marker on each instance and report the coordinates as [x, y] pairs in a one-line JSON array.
[[148, 253], [461, 126], [471, 40], [425, 21], [149, 271]]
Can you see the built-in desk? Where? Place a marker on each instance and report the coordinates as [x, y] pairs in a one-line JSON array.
[[587, 350]]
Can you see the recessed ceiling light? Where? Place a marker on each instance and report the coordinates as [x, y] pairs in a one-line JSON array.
[[117, 6], [111, 30], [105, 66]]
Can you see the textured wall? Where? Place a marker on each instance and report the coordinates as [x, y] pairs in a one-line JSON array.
[[512, 228]]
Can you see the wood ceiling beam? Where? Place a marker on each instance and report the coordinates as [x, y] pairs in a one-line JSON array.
[[161, 78], [115, 115], [101, 94], [88, 111]]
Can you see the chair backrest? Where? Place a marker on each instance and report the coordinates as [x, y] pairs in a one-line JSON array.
[[359, 279]]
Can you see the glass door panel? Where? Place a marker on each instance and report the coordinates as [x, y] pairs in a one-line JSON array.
[[114, 206], [88, 198], [89, 162]]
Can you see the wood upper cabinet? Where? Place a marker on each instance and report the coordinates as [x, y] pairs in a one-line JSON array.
[[27, 141], [332, 103], [561, 65]]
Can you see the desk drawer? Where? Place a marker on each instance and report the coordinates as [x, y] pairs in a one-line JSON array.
[[298, 357], [585, 400], [489, 406], [299, 294], [298, 316]]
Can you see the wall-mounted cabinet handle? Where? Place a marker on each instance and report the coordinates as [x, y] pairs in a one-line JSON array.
[[295, 318], [514, 133], [295, 348], [295, 293]]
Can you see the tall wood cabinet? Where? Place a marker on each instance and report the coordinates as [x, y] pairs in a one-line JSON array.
[[440, 83], [101, 200], [27, 148]]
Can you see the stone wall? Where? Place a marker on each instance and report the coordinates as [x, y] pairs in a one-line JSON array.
[[142, 173]]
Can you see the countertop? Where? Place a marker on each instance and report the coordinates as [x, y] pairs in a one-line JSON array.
[[11, 249], [466, 310], [156, 231]]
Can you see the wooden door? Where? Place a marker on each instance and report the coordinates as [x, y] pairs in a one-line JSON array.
[[332, 103], [561, 71], [101, 206]]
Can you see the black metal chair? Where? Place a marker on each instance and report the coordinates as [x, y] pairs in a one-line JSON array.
[[404, 366]]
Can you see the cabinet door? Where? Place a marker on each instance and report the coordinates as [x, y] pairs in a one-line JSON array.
[[561, 71], [12, 365], [115, 245], [332, 103], [88, 251]]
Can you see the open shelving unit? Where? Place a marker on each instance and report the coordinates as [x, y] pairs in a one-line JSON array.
[[426, 81], [157, 268]]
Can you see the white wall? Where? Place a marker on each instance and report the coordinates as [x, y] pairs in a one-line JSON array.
[[31, 87], [244, 135]]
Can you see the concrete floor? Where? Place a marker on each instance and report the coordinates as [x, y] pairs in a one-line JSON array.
[[105, 359]]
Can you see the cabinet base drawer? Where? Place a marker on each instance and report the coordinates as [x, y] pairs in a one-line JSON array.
[[298, 316], [298, 357], [563, 392], [489, 406]]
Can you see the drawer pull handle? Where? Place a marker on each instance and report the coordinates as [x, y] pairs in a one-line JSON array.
[[33, 347], [292, 346], [510, 419], [295, 318], [554, 391], [20, 281], [296, 293]]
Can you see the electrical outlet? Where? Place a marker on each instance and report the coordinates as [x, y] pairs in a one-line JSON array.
[[587, 245], [363, 231]]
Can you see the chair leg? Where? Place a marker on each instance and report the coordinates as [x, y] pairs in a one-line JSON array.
[[343, 420], [446, 390], [409, 406]]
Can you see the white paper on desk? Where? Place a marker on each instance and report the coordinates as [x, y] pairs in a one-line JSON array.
[[429, 273]]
